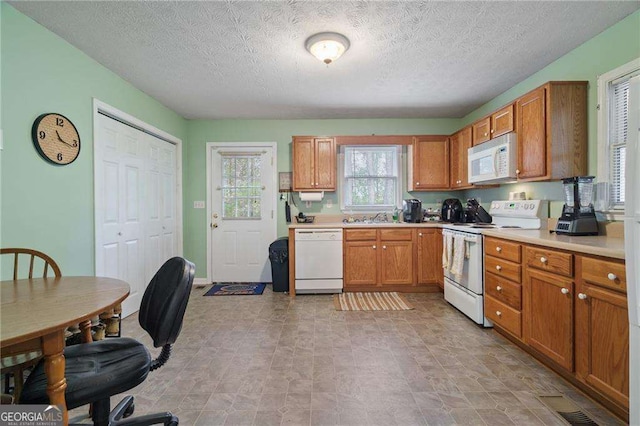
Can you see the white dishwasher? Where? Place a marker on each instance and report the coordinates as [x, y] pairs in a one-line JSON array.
[[318, 260]]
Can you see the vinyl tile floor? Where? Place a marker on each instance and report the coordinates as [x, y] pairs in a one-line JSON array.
[[271, 360]]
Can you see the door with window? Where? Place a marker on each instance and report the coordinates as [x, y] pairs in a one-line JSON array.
[[242, 222]]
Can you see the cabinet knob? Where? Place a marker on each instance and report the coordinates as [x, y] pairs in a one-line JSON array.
[[517, 171], [612, 276], [543, 259], [498, 249], [498, 267], [564, 290], [582, 296], [498, 313], [498, 288], [317, 184], [374, 247], [493, 130], [384, 247], [485, 134], [419, 234], [417, 183]]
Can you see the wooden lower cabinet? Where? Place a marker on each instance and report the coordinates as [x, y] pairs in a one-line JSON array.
[[360, 263], [396, 262], [602, 335], [392, 259], [429, 262], [574, 316], [548, 307]]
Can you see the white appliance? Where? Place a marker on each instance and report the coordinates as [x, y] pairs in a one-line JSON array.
[[493, 161], [632, 246], [466, 291], [318, 260]]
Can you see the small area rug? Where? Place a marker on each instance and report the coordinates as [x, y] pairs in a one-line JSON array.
[[236, 289], [375, 301]]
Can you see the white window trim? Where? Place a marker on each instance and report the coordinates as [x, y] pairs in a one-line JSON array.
[[341, 183], [603, 161]]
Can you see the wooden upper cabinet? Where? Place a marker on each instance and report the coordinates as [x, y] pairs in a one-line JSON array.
[[460, 143], [481, 131], [498, 123], [314, 164], [551, 123], [532, 142], [502, 121], [430, 163]]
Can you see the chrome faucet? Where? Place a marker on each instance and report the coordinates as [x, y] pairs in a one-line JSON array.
[[384, 217]]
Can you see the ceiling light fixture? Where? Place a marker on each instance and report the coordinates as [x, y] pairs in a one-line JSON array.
[[327, 46]]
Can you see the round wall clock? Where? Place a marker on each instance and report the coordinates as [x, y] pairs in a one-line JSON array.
[[56, 138]]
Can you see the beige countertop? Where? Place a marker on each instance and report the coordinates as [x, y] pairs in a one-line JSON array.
[[600, 245], [597, 245]]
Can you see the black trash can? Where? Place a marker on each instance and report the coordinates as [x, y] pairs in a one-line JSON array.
[[279, 257]]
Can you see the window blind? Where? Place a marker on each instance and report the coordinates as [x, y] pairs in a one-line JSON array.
[[618, 130]]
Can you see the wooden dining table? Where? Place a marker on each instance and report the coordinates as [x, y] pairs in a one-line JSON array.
[[34, 314]]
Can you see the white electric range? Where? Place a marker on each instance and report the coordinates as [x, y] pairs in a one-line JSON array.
[[466, 291]]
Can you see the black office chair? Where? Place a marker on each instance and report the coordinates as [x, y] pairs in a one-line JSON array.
[[95, 371]]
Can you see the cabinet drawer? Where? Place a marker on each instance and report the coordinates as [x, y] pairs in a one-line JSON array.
[[503, 290], [605, 273], [502, 249], [502, 268], [503, 316], [549, 260], [359, 234], [396, 234]]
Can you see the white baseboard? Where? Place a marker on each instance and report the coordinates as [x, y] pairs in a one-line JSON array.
[[201, 281]]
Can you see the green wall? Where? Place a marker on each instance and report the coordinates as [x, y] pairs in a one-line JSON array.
[[613, 47], [49, 207], [280, 131]]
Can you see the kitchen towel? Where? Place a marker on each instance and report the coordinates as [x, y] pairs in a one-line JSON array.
[[447, 251], [459, 254]]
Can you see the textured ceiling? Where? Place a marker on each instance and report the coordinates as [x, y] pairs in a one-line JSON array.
[[240, 59]]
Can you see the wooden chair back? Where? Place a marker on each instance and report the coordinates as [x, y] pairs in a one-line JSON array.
[[31, 255]]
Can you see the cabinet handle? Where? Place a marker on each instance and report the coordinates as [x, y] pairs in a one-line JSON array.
[[564, 290], [374, 247], [498, 288], [498, 249], [498, 267], [612, 276], [498, 313], [384, 247], [582, 296], [543, 259]]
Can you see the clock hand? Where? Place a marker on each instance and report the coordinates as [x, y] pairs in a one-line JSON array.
[[60, 139]]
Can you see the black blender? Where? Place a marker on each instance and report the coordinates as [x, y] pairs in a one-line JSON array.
[[578, 215]]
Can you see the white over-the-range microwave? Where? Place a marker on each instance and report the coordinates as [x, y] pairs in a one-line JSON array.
[[493, 161]]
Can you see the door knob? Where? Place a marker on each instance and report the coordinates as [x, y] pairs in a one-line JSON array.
[[215, 215], [214, 225]]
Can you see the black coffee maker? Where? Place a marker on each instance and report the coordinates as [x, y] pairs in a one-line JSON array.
[[451, 210], [412, 211]]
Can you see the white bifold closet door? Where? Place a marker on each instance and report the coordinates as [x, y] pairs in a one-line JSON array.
[[135, 201]]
